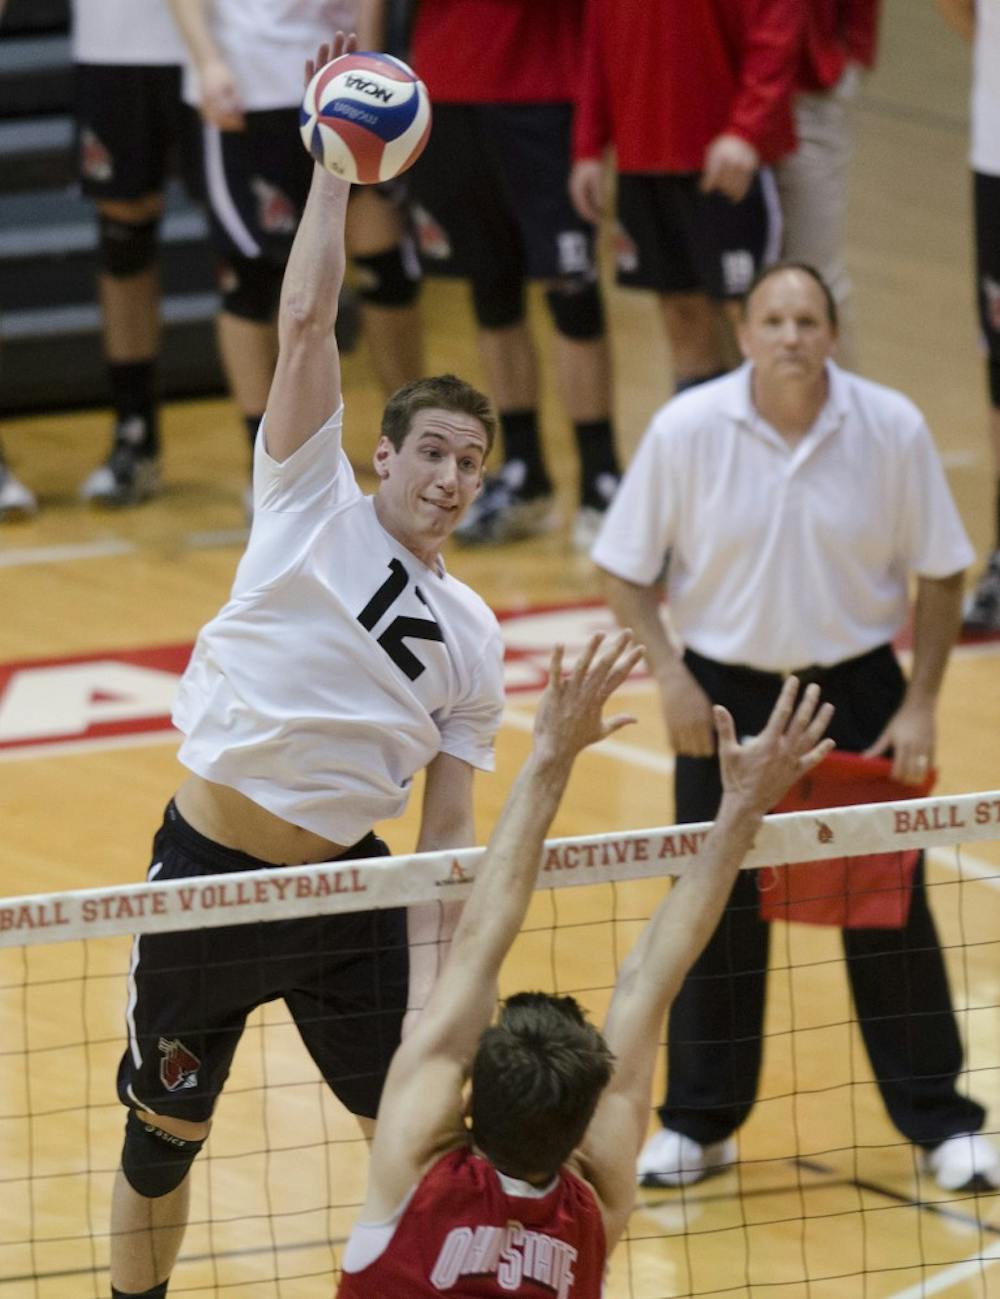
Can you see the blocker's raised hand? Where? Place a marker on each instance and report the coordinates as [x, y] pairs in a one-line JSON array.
[[763, 769], [570, 715]]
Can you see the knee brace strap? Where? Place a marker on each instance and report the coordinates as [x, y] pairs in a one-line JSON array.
[[126, 247], [498, 302], [155, 1162], [577, 308], [250, 288], [390, 278], [993, 369]]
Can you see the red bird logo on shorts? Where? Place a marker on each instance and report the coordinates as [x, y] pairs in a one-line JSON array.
[[95, 160], [276, 213], [179, 1066]]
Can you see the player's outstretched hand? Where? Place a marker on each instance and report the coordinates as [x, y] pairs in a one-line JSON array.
[[570, 715], [762, 770], [342, 43]]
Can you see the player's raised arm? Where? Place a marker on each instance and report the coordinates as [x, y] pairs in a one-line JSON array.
[[420, 1101], [305, 390], [755, 776]]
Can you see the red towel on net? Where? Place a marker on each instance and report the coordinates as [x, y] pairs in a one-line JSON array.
[[870, 892]]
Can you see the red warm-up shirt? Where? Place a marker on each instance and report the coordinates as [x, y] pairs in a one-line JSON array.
[[660, 79], [462, 1235], [838, 32], [498, 51]]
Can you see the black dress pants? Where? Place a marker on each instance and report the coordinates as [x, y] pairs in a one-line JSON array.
[[897, 976]]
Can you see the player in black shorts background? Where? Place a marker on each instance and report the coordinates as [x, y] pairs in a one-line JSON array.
[[694, 125], [256, 178], [131, 132], [491, 207]]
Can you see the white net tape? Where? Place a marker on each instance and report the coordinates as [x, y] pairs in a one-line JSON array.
[[287, 892]]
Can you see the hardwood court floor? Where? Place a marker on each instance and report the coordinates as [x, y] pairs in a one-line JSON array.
[[826, 1201]]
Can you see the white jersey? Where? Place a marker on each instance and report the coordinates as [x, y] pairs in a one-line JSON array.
[[131, 32], [265, 44], [985, 109], [341, 664]]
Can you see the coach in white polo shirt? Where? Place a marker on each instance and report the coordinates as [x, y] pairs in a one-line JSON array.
[[795, 501], [345, 661]]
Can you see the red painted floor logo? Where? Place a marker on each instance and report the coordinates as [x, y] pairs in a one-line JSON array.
[[104, 697]]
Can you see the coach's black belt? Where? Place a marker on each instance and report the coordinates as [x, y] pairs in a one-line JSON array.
[[811, 674]]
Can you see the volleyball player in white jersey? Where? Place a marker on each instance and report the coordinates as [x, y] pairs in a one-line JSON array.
[[130, 129], [345, 661], [244, 74]]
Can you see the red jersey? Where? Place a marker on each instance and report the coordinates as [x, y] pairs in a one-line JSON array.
[[462, 1234], [498, 51], [660, 79], [838, 32]]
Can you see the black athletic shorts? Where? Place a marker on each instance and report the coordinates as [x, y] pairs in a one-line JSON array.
[[673, 238], [256, 183], [342, 977], [490, 194], [132, 130], [986, 197]]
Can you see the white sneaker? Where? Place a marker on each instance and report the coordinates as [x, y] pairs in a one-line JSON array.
[[671, 1159], [589, 518], [16, 500], [586, 526], [965, 1163]]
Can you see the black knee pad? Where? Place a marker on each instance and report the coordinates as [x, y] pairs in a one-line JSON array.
[[155, 1162], [126, 247], [993, 370], [250, 287], [577, 308], [390, 278], [498, 302]]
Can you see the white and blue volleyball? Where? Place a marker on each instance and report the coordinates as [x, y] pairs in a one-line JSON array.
[[365, 117]]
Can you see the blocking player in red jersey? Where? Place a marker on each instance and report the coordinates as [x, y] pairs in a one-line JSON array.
[[525, 1183]]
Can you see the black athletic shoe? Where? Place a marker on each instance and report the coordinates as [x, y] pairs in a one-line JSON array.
[[130, 475]]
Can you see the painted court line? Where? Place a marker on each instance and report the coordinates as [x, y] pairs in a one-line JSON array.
[[112, 547], [973, 1266], [24, 556]]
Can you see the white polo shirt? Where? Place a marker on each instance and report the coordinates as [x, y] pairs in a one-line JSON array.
[[132, 32], [783, 558], [341, 664], [265, 44]]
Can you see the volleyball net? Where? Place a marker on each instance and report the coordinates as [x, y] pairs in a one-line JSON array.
[[826, 1198]]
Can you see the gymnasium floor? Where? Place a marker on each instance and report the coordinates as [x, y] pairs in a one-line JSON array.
[[826, 1202]]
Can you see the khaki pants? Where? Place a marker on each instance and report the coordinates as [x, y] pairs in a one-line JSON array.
[[812, 183]]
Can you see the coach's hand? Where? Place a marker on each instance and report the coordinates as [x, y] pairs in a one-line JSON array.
[[687, 713], [586, 189]]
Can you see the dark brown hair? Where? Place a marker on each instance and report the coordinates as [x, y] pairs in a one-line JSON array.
[[437, 392], [536, 1079]]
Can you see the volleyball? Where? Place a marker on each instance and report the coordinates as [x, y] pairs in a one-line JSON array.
[[365, 117]]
